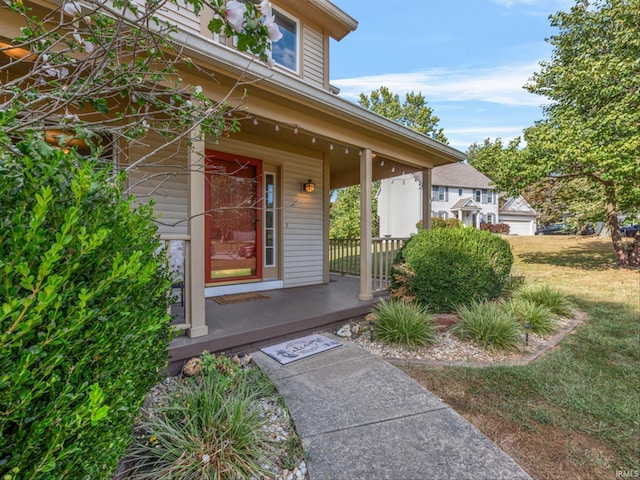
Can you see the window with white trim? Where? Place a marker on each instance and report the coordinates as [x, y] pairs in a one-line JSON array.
[[442, 194], [490, 196], [491, 218], [269, 220], [477, 195], [285, 52]]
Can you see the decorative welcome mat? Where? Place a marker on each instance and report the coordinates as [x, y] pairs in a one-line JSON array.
[[287, 352], [238, 297]]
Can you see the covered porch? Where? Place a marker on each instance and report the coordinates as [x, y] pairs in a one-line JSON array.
[[286, 313]]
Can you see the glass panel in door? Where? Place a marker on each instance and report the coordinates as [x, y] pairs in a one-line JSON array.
[[233, 218]]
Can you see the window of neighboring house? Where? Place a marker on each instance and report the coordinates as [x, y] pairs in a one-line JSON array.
[[490, 196], [491, 218], [477, 195], [285, 51], [442, 214], [442, 194], [459, 192]]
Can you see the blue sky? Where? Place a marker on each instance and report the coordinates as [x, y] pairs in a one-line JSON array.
[[469, 58]]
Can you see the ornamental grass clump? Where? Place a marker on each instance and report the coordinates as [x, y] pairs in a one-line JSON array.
[[489, 325], [404, 323], [537, 317], [551, 298], [211, 427]]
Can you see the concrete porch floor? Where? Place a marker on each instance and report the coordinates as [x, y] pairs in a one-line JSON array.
[[287, 313]]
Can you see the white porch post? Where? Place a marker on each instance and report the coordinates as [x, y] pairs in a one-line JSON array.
[[426, 199], [366, 179], [197, 253]]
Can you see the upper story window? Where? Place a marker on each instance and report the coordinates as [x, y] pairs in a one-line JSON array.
[[490, 196], [477, 195], [459, 192], [442, 194], [285, 51]]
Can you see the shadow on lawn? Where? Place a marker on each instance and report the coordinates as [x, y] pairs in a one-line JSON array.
[[590, 255]]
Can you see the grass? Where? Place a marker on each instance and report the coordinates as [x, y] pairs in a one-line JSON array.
[[405, 323], [490, 325], [210, 427], [575, 413]]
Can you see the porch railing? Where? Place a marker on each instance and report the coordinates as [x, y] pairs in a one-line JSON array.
[[344, 258]]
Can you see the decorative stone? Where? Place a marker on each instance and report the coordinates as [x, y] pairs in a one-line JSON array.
[[192, 367], [344, 331]]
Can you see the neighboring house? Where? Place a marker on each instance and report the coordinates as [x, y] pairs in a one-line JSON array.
[[295, 130], [458, 190], [518, 214]]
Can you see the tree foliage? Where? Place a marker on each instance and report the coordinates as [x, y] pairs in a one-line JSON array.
[[586, 150], [412, 113], [344, 214], [108, 73], [84, 328]]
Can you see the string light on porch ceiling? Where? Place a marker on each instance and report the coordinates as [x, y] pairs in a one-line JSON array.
[[296, 130]]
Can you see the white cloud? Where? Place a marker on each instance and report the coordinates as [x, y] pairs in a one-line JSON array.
[[499, 85]]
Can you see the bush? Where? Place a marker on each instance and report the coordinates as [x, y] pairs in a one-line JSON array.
[[84, 327], [489, 325], [539, 318], [437, 222], [500, 228], [444, 268], [551, 298], [210, 427], [396, 321]]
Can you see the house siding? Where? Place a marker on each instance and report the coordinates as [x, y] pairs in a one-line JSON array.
[[164, 178], [313, 55]]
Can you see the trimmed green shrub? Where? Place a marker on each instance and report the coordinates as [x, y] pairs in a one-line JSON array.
[[540, 319], [447, 267], [489, 325], [210, 427], [551, 298], [405, 323], [84, 327]]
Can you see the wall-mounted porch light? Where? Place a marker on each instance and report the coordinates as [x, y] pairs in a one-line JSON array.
[[17, 53], [308, 187]]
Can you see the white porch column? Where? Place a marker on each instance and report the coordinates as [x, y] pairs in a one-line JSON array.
[[366, 179], [197, 253], [426, 199]]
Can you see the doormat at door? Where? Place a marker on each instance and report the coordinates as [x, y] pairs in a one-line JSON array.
[[292, 350], [238, 297]]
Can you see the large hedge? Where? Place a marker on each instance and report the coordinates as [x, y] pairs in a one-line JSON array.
[[447, 267], [84, 327]]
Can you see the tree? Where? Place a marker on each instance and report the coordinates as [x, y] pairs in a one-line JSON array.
[[107, 73], [588, 144], [344, 214], [413, 113], [592, 127]]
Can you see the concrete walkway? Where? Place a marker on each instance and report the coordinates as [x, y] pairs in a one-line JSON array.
[[361, 418]]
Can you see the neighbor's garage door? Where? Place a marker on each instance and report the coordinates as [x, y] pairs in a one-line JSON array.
[[519, 228]]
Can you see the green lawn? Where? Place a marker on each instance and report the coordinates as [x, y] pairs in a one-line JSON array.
[[575, 413]]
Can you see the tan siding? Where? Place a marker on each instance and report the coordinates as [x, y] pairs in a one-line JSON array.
[[162, 177], [181, 16], [313, 56]]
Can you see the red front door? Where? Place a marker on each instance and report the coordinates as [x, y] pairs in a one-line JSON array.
[[233, 213]]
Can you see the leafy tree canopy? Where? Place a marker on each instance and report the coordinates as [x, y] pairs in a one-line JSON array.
[[587, 147], [413, 113]]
